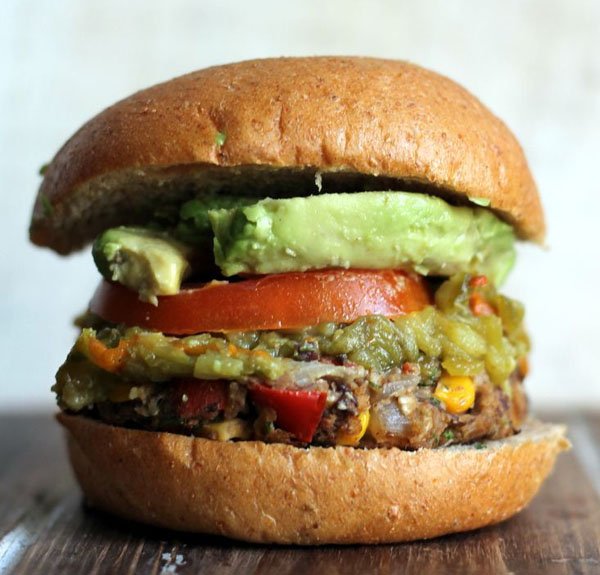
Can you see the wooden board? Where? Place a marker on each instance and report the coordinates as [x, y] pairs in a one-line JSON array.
[[45, 529]]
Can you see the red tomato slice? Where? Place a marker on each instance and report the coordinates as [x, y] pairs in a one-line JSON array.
[[298, 412], [281, 301]]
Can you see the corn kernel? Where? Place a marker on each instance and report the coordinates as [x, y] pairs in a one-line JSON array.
[[456, 392], [354, 438], [227, 430]]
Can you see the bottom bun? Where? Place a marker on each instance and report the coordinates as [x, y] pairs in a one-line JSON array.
[[275, 493]]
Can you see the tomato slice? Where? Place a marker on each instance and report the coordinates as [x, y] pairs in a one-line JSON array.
[[298, 412], [279, 301]]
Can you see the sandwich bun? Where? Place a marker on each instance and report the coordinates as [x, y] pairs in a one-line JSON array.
[[276, 493]]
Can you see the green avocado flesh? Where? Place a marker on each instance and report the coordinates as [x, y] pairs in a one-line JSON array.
[[190, 223], [368, 230], [447, 336], [147, 261]]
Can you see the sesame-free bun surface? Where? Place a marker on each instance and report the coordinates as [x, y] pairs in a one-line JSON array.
[[363, 123], [276, 493]]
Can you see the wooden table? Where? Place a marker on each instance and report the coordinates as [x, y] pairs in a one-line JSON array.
[[45, 529]]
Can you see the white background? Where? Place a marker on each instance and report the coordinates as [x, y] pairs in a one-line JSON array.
[[536, 63]]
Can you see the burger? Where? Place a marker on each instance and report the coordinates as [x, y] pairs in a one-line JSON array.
[[298, 335]]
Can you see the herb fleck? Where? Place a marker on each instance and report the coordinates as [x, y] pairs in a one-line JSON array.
[[220, 138], [448, 435], [43, 169], [479, 445]]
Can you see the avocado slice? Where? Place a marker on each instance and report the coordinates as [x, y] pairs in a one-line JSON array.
[[362, 230], [147, 261], [192, 225]]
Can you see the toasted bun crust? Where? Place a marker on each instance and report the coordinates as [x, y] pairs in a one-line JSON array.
[[284, 119], [275, 493]]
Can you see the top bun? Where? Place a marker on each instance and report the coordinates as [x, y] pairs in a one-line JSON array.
[[268, 127]]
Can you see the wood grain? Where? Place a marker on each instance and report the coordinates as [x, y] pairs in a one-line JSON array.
[[45, 529]]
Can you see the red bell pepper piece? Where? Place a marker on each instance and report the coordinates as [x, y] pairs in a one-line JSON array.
[[478, 281], [480, 306], [196, 398], [298, 412]]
